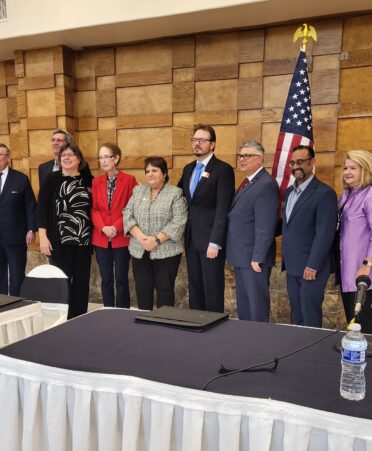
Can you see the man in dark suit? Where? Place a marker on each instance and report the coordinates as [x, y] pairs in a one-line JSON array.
[[208, 185], [309, 217], [17, 224], [59, 138], [250, 245]]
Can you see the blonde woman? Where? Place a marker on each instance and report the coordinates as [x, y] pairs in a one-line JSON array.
[[355, 231]]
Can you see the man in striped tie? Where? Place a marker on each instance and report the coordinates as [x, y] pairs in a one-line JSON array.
[[250, 244], [208, 185]]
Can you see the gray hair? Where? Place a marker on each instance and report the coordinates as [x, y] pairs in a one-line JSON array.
[[68, 138], [4, 146], [256, 145]]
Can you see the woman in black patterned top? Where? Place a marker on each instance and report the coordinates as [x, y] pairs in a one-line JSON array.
[[64, 223]]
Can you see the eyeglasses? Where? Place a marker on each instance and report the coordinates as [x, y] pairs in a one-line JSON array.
[[58, 140], [199, 140], [68, 155], [294, 163], [246, 156], [105, 157], [4, 155]]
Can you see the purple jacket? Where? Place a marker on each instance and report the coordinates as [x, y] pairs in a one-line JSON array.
[[355, 234]]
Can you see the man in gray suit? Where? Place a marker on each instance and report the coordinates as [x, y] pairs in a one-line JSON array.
[[250, 235]]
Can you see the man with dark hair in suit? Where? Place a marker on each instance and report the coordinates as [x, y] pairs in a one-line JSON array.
[[208, 185], [250, 245], [59, 138], [17, 224], [309, 217]]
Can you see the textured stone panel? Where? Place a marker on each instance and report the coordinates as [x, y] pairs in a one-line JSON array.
[[249, 126], [275, 90], [324, 167], [183, 75], [144, 100], [39, 82], [104, 61], [250, 86], [39, 62], [41, 103], [183, 52], [270, 133], [325, 79], [355, 92], [86, 104], [329, 34], [279, 43], [183, 96], [143, 57], [4, 126], [217, 49], [107, 123], [216, 95], [88, 143], [105, 103], [357, 33], [40, 146], [85, 64], [141, 143], [354, 134], [325, 127], [182, 131], [251, 46], [226, 143], [106, 82]]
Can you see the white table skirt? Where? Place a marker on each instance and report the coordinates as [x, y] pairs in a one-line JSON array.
[[19, 323], [50, 409]]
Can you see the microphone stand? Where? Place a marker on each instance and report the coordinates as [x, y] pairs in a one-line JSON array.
[[362, 282]]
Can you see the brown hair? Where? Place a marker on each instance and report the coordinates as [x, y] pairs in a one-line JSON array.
[[158, 162], [115, 150], [76, 151]]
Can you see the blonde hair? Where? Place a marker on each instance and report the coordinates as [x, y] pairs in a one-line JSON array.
[[362, 158]]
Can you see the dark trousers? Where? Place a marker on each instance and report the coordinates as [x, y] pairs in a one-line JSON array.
[[12, 258], [206, 278], [252, 293], [114, 260], [306, 299], [159, 274], [75, 263], [365, 316]]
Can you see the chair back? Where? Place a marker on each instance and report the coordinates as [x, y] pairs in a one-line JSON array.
[[46, 283]]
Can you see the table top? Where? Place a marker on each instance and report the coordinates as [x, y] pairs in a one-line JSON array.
[[109, 341], [15, 305]]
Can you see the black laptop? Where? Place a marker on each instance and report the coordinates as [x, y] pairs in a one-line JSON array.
[[196, 320]]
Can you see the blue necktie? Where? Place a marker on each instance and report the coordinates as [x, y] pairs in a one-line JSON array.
[[198, 169]]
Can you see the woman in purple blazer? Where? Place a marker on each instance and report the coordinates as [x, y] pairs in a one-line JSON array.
[[355, 229]]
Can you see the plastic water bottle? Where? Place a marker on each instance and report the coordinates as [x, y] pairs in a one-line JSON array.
[[353, 363]]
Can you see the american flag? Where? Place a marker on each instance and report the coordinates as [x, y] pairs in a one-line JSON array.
[[296, 125]]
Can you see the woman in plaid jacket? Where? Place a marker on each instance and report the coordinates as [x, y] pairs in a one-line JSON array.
[[155, 219]]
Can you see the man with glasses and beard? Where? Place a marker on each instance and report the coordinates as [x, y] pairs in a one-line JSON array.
[[208, 185], [309, 218]]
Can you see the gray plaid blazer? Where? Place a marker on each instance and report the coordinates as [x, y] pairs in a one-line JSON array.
[[167, 214]]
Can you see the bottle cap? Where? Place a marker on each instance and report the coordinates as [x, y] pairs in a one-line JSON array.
[[355, 327]]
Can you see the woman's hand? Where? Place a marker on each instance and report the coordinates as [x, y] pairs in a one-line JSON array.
[[149, 243], [45, 246], [109, 231], [363, 270]]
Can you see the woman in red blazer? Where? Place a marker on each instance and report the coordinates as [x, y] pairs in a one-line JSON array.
[[111, 192]]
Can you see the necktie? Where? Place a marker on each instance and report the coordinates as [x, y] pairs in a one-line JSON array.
[[198, 169], [1, 182], [243, 184]]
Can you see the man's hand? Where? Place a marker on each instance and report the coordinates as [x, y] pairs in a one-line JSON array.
[[309, 274], [256, 266], [212, 252]]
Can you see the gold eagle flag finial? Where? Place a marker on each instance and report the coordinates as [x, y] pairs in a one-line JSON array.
[[305, 33]]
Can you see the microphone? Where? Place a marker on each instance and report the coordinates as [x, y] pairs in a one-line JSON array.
[[362, 283]]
